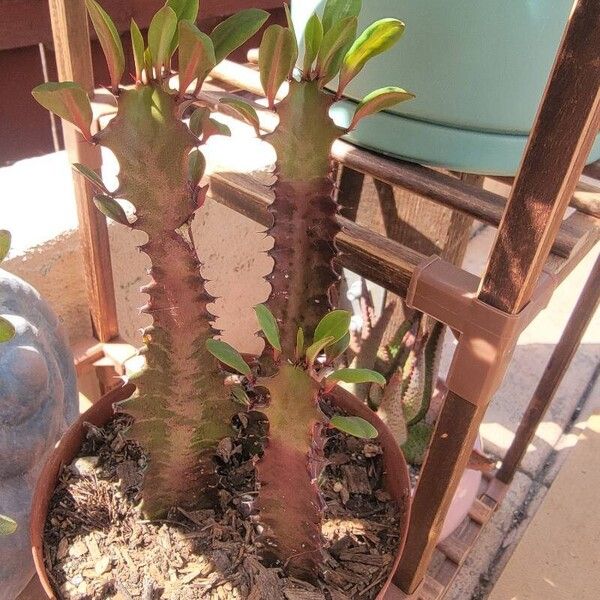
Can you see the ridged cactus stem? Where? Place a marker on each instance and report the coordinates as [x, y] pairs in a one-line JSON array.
[[181, 411], [304, 212], [304, 229], [180, 408], [289, 502]]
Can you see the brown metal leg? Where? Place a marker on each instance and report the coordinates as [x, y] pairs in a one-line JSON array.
[[553, 374]]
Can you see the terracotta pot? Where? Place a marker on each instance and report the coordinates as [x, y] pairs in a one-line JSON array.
[[397, 481]]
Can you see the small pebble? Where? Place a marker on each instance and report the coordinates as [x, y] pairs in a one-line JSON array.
[[85, 466], [78, 549], [102, 566]]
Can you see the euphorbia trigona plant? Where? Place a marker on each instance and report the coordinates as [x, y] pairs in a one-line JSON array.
[[179, 408], [289, 502], [304, 228]]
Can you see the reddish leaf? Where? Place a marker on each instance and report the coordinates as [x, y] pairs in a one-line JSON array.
[[69, 101], [196, 55], [276, 59], [109, 40]]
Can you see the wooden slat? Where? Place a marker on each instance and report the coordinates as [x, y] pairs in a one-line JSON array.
[[85, 353], [593, 170], [350, 191], [560, 268], [27, 22], [561, 139], [586, 198], [587, 202], [468, 199], [369, 254], [71, 41], [480, 512], [471, 200], [455, 547], [449, 451]]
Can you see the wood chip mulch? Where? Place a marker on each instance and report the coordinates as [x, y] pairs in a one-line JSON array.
[[97, 546]]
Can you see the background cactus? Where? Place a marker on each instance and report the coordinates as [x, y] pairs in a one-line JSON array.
[[179, 408], [413, 359]]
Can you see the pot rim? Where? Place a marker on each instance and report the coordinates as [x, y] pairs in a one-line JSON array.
[[396, 475]]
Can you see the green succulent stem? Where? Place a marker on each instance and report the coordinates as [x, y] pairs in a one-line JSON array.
[[180, 409], [289, 502], [304, 212]]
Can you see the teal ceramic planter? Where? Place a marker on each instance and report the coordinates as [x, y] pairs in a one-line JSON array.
[[478, 68]]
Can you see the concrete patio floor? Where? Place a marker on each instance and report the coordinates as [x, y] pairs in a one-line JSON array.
[[47, 256], [558, 557]]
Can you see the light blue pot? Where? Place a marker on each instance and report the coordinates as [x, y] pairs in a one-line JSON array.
[[478, 68]]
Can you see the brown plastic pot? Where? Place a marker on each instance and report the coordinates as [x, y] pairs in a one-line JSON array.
[[397, 481]]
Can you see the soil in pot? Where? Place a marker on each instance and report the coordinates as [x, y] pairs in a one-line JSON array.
[[97, 546]]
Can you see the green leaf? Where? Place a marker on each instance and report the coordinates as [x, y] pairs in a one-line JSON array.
[[313, 38], [244, 111], [337, 10], [228, 355], [5, 239], [7, 330], [268, 324], [137, 42], [109, 40], [110, 208], [374, 40], [196, 55], [276, 59], [336, 350], [299, 342], [196, 166], [185, 10], [160, 36], [237, 30], [7, 526], [379, 100], [198, 120], [336, 42], [91, 176], [240, 396], [148, 62], [335, 324], [357, 376], [317, 347], [214, 127], [290, 25], [355, 426], [69, 101]]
